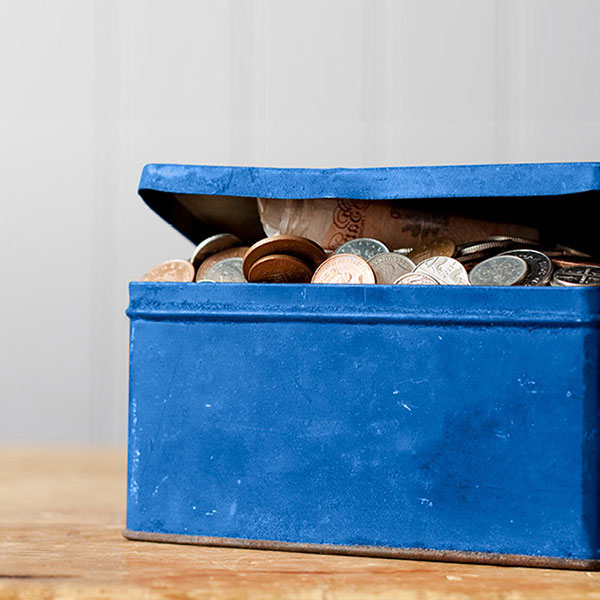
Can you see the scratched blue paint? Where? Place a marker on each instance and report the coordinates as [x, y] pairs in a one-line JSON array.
[[446, 418]]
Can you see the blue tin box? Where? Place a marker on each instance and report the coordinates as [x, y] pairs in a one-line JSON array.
[[430, 422]]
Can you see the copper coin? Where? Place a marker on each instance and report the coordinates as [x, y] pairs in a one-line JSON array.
[[213, 244], [303, 248], [572, 251], [279, 268], [415, 279], [219, 256], [344, 268], [437, 247], [171, 270], [573, 260]]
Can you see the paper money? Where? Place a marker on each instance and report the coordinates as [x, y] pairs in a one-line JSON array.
[[331, 222]]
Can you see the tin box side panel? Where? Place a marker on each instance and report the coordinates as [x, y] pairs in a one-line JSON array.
[[439, 433]]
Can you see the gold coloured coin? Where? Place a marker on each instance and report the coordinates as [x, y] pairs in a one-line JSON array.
[[171, 270], [344, 268], [437, 247]]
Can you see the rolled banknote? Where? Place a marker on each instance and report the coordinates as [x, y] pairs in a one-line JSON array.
[[332, 221]]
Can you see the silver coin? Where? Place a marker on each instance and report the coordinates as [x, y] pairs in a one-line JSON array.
[[516, 240], [474, 258], [415, 279], [575, 276], [212, 245], [445, 270], [403, 250], [487, 246], [540, 266], [228, 270], [389, 266], [499, 270], [364, 247]]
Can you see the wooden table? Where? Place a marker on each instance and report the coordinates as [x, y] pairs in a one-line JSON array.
[[61, 513]]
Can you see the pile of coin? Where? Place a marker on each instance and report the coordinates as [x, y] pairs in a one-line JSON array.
[[496, 261]]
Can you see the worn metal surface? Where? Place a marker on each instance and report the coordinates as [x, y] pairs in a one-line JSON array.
[[447, 419]]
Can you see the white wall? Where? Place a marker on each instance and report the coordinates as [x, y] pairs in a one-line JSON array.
[[90, 91]]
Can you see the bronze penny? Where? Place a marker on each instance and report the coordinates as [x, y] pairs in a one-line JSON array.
[[279, 268], [437, 247], [306, 250], [573, 260], [344, 268], [571, 251], [171, 270], [219, 256]]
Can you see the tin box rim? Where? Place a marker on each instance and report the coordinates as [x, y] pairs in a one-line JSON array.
[[495, 306]]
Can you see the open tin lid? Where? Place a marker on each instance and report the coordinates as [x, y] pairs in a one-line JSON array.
[[200, 201]]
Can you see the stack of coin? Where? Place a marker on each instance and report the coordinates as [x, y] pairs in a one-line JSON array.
[[282, 259], [495, 261], [219, 259]]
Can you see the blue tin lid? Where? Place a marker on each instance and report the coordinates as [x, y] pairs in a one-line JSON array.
[[180, 193]]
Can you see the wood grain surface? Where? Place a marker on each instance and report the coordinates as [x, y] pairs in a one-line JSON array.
[[61, 516]]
